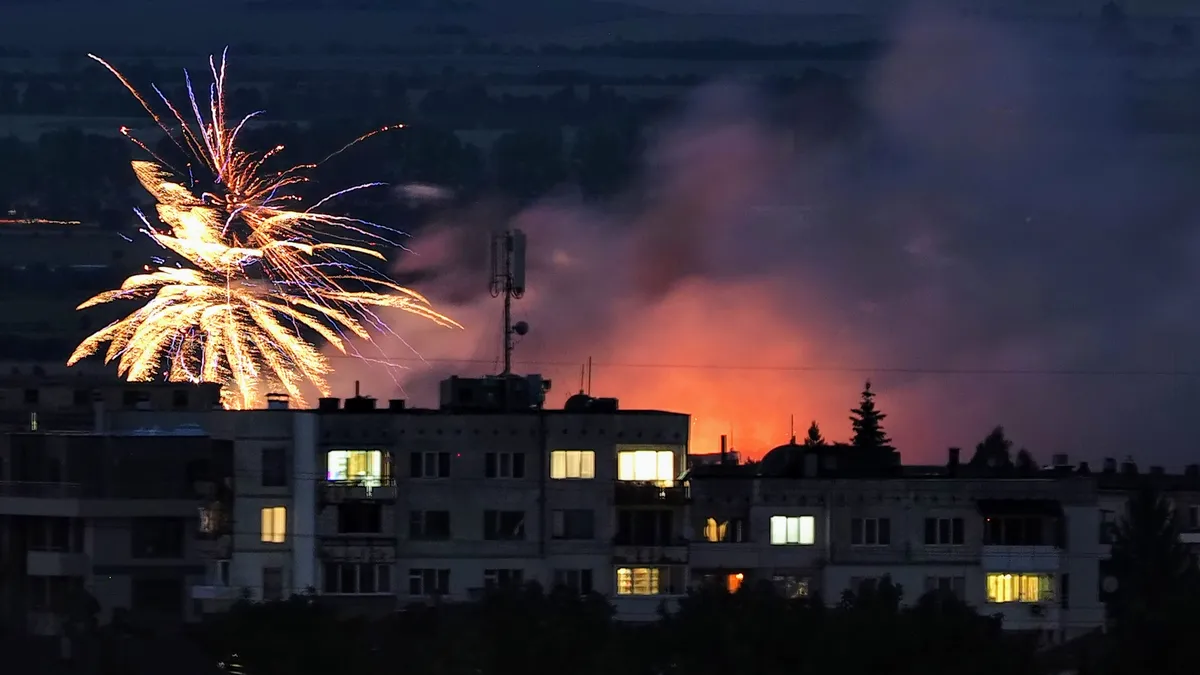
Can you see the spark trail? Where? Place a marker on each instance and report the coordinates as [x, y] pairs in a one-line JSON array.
[[259, 273]]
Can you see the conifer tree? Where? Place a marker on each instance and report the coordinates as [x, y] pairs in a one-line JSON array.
[[814, 439], [867, 423]]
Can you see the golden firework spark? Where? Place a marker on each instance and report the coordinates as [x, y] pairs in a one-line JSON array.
[[258, 272]]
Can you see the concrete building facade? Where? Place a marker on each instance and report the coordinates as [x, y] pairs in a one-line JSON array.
[[95, 525]]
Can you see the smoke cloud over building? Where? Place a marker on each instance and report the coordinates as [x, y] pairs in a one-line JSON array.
[[995, 217]]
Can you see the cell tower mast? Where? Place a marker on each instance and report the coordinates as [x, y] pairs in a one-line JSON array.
[[508, 280]]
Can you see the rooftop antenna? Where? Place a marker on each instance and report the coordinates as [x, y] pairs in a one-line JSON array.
[[589, 376], [508, 280], [793, 428], [582, 375]]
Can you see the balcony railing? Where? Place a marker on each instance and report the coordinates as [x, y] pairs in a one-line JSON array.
[[342, 490], [638, 492], [40, 490]]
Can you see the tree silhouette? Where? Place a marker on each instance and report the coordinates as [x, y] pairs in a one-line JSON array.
[[867, 422], [994, 451], [814, 439], [1026, 464], [1154, 607]]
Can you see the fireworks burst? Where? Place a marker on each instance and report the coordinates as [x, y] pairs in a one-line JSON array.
[[259, 272]]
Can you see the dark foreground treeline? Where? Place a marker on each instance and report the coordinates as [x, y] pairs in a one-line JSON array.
[[531, 632], [1154, 616]]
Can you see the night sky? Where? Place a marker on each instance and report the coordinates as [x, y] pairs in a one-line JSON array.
[[997, 250]]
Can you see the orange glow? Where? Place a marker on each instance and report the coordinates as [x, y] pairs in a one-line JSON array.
[[734, 581]]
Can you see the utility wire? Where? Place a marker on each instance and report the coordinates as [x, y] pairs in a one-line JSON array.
[[801, 368]]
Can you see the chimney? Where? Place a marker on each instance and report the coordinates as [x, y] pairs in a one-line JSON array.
[[1110, 465], [1060, 460], [1084, 469], [724, 448], [1128, 467], [396, 404], [357, 394], [1157, 471], [328, 403], [278, 402], [953, 460]]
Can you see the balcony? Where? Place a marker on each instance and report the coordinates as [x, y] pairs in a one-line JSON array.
[[998, 558], [56, 564], [216, 592], [383, 489], [639, 493], [40, 490], [626, 553]]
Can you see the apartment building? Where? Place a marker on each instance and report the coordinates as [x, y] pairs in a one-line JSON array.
[[41, 398], [1029, 546], [92, 525], [377, 507]]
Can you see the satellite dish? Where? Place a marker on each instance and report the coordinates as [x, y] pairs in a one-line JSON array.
[[521, 328]]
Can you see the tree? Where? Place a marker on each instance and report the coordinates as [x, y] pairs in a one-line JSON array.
[[814, 439], [1026, 464], [1154, 606], [993, 452], [867, 422]]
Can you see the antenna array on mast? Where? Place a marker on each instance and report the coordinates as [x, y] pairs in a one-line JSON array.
[[508, 281]]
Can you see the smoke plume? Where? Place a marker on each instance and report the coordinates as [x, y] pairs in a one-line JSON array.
[[995, 218]]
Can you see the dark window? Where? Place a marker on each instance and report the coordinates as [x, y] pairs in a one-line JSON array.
[[870, 531], [944, 531], [573, 524], [503, 578], [645, 527], [272, 584], [82, 397], [357, 578], [504, 525], [428, 582], [1014, 531], [429, 464], [429, 525], [360, 518], [157, 538], [157, 594], [579, 581], [1065, 590], [179, 398], [274, 467], [31, 396], [504, 465], [131, 397]]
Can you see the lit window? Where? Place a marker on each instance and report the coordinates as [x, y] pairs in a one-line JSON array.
[[714, 531], [1019, 587], [734, 581], [793, 530], [638, 581], [572, 464], [274, 524], [361, 467], [655, 466]]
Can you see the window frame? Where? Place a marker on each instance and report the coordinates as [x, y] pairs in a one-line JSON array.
[[267, 532], [782, 525], [338, 566], [880, 529], [585, 470], [956, 530], [1045, 592], [494, 465]]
